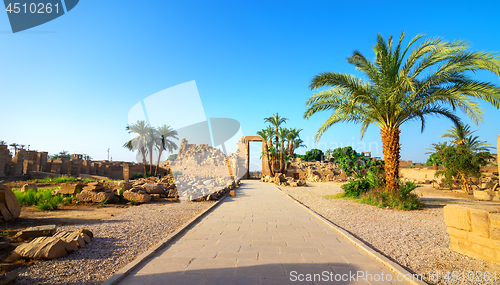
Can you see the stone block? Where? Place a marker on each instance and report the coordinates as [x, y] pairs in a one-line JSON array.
[[29, 186], [482, 195], [480, 222], [457, 217], [72, 189], [34, 232], [45, 248], [460, 242], [461, 234]]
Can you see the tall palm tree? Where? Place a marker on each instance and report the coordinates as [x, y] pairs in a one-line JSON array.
[[152, 139], [433, 79], [292, 135], [276, 120], [140, 128], [462, 135], [459, 133], [265, 137], [164, 142], [297, 143], [283, 132], [14, 146], [270, 134]]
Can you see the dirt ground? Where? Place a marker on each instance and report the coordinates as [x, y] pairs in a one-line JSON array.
[[64, 215]]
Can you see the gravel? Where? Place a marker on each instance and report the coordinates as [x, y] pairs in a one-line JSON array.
[[417, 240], [116, 243]]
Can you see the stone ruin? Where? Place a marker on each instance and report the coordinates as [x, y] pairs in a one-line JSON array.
[[43, 242], [206, 173], [33, 164], [9, 206]]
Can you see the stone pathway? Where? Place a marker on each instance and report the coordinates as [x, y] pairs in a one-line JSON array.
[[260, 237]]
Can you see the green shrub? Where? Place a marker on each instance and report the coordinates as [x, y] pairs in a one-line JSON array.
[[355, 187], [402, 199], [133, 202], [137, 176], [42, 199], [313, 155]]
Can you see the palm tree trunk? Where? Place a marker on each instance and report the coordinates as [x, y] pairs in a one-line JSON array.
[[281, 157], [151, 161], [268, 161], [158, 162], [288, 148], [390, 149], [143, 151]]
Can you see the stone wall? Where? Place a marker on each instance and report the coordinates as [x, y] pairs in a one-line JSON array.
[[474, 231], [26, 162], [418, 175], [201, 160]]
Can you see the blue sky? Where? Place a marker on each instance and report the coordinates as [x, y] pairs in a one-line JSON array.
[[70, 83]]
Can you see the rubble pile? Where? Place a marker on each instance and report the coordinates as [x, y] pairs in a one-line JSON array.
[[280, 179]]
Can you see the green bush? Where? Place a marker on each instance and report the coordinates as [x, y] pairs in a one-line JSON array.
[[402, 199], [355, 187], [313, 155], [137, 176], [172, 157], [42, 199]]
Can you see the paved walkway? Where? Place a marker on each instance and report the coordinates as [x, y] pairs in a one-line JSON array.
[[258, 237]]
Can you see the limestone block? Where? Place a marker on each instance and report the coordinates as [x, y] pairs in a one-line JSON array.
[[139, 198], [462, 243], [72, 189], [153, 188], [6, 215], [494, 232], [457, 217], [45, 248], [495, 219], [461, 234], [94, 197], [34, 232], [78, 238], [9, 199], [488, 242], [482, 195], [29, 186], [480, 222]]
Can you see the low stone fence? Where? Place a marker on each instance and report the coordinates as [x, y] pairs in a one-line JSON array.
[[474, 231]]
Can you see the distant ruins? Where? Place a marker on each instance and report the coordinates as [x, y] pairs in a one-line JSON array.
[[33, 164]]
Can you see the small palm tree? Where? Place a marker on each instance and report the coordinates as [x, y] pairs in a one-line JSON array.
[[165, 143], [276, 120], [282, 134], [292, 135], [265, 137], [402, 86], [14, 146], [141, 129], [297, 143], [152, 139], [462, 135]]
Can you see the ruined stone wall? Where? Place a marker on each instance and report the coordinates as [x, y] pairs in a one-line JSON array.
[[474, 231], [5, 158], [201, 160]]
